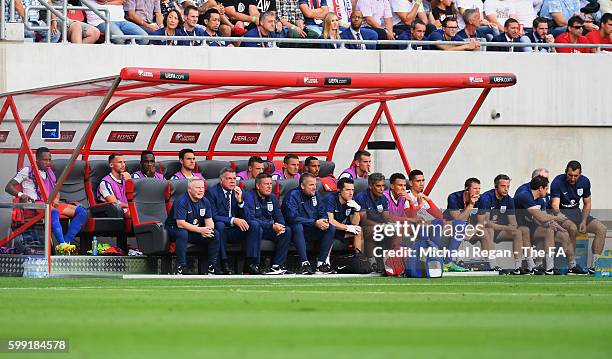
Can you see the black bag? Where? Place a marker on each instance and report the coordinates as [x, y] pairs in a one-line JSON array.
[[353, 263]]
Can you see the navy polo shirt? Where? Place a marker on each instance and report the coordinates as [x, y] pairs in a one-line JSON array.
[[455, 203], [570, 194], [373, 207], [499, 209], [189, 211], [341, 212]]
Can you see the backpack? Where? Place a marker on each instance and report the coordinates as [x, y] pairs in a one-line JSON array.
[[422, 263]]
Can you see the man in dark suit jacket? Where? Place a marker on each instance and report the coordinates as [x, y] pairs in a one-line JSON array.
[[511, 34], [230, 220], [356, 32], [540, 34]]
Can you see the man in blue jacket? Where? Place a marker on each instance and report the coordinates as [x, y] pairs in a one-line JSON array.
[[306, 215], [356, 32], [266, 219], [230, 220]]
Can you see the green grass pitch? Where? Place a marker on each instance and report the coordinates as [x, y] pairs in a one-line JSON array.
[[473, 317]]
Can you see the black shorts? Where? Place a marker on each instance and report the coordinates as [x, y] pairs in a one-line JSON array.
[[575, 215]]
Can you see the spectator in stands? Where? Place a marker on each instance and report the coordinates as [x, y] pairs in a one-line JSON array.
[[312, 165], [265, 217], [33, 18], [421, 206], [307, 217], [471, 31], [378, 17], [448, 33], [32, 192], [540, 35], [147, 166], [255, 166], [190, 220], [112, 186], [330, 31], [356, 32], [441, 9], [78, 32], [463, 206], [119, 26], [575, 27], [166, 5], [188, 162], [604, 34], [314, 11], [374, 211], [190, 26], [243, 15], [566, 191], [212, 22], [511, 33], [291, 165], [485, 26], [291, 18], [525, 14], [173, 21], [266, 5], [343, 213], [145, 13], [404, 13], [231, 221], [265, 29], [559, 12], [498, 12], [605, 6], [361, 167], [496, 210], [542, 226], [416, 33]]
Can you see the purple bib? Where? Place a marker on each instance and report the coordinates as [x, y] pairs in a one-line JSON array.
[[48, 183], [179, 175], [353, 172], [157, 175], [395, 209], [281, 174], [117, 188]]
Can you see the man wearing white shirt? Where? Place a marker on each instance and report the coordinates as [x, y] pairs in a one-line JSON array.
[[405, 12], [378, 17], [498, 11], [119, 26]]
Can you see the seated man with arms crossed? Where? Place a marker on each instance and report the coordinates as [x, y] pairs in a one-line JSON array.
[[343, 213]]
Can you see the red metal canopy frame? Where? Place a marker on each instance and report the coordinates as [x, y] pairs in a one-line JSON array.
[[305, 88]]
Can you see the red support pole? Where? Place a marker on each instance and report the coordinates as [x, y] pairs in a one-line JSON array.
[[345, 121], [372, 127], [396, 137], [456, 140]]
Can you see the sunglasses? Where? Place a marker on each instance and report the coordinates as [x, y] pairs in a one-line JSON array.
[[578, 27], [452, 27]]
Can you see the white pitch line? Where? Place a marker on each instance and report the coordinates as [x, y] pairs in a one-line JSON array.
[[216, 289]]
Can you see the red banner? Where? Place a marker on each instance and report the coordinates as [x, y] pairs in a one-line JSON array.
[[3, 136], [306, 137], [122, 136], [245, 138], [185, 137]]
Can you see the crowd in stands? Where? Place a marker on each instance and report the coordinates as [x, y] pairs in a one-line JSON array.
[[469, 21], [539, 214]]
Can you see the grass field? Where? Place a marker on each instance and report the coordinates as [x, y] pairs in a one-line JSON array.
[[475, 317]]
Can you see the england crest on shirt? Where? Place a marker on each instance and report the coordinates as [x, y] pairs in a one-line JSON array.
[[202, 212], [580, 191], [347, 212], [314, 201], [475, 210], [270, 206], [379, 208], [502, 209]]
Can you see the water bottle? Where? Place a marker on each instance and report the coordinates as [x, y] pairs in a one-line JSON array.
[[41, 268], [94, 246], [27, 268]]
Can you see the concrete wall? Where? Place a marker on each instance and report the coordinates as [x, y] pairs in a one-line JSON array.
[[559, 110]]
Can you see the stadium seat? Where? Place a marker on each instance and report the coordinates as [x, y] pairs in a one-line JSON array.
[[327, 168], [170, 167], [211, 183], [247, 185], [324, 193], [283, 187], [132, 166], [73, 188], [210, 169], [147, 201], [177, 188]]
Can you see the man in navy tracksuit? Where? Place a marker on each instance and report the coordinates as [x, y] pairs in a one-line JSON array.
[[230, 220], [306, 215], [265, 218]]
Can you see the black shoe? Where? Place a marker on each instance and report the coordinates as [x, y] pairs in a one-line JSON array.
[[497, 269], [287, 271], [253, 269], [537, 271], [183, 270], [592, 271], [553, 271], [225, 268], [212, 270], [520, 271], [276, 270], [577, 271], [324, 268], [307, 268]]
